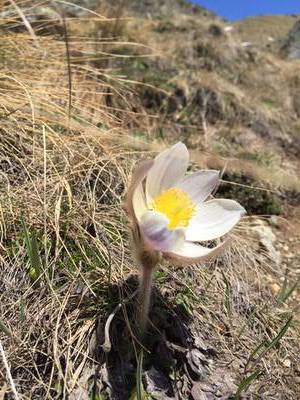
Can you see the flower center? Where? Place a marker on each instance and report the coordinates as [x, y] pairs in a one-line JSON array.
[[176, 205]]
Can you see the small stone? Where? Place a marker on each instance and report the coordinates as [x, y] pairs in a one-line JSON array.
[[287, 363], [197, 392], [196, 362], [274, 221], [286, 247], [275, 288], [205, 387], [267, 239], [157, 384], [200, 344]]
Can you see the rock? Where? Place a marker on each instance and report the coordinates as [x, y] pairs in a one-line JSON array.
[[197, 363], [246, 138], [198, 393], [274, 220], [275, 288], [267, 239], [291, 45], [200, 343], [228, 28], [157, 385], [246, 44]]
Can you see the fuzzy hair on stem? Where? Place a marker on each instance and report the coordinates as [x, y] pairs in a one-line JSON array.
[[149, 261]]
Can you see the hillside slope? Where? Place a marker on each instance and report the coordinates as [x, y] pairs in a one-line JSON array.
[[85, 95], [215, 92]]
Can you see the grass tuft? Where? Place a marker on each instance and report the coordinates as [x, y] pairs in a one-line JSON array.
[[73, 123]]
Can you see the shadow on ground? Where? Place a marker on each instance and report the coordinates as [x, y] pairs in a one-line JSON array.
[[175, 359]]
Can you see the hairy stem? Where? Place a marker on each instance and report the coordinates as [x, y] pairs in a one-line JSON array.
[[144, 296]]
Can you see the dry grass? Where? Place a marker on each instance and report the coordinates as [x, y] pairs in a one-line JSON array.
[[254, 91], [258, 29], [64, 177], [66, 155]]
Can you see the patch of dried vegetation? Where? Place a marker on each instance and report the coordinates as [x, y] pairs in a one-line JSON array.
[[65, 155]]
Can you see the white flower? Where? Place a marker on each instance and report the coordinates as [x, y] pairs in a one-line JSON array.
[[170, 211]]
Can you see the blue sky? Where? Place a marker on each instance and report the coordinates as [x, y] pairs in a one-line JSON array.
[[237, 9]]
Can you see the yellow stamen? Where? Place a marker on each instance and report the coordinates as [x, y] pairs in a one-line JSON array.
[[176, 205]]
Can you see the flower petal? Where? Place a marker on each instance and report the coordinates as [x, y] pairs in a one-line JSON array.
[[156, 234], [200, 184], [139, 202], [169, 167], [191, 253], [133, 202], [214, 219]]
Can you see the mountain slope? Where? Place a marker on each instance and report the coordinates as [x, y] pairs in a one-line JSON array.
[[85, 95]]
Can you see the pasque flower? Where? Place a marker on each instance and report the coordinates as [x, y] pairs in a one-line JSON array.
[[173, 213]]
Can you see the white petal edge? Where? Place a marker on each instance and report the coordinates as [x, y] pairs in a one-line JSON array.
[[156, 235], [139, 202], [169, 167], [199, 185], [214, 219], [192, 253], [138, 176]]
